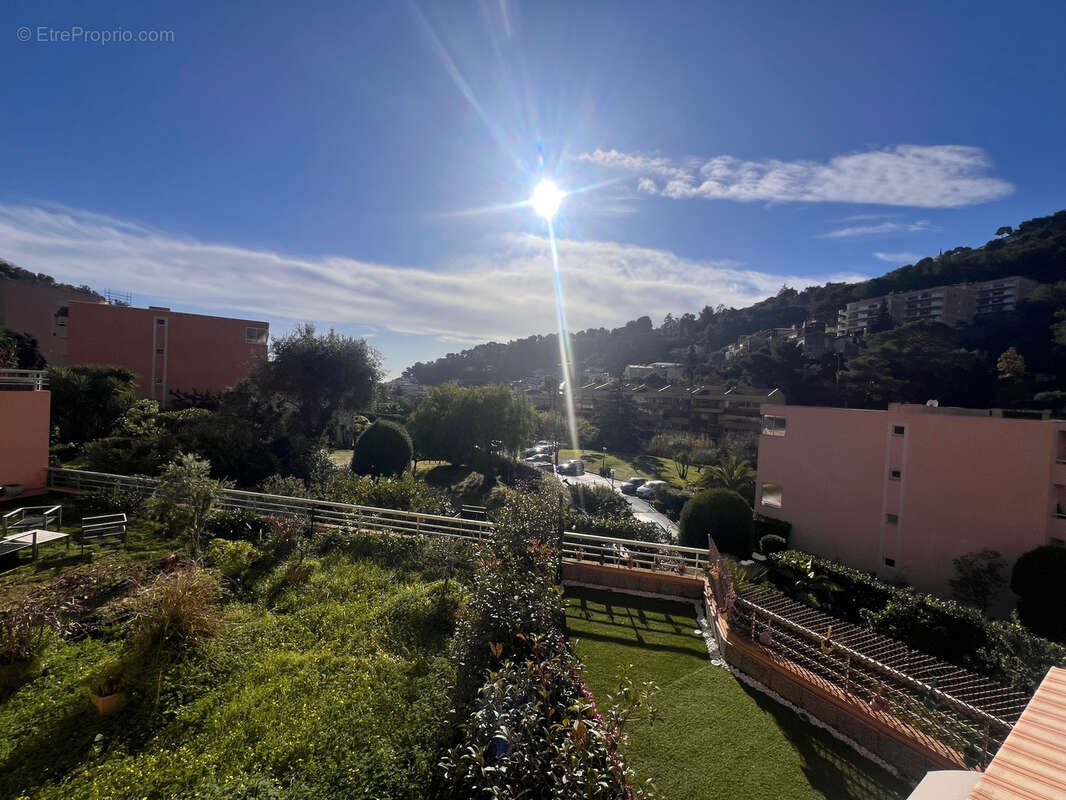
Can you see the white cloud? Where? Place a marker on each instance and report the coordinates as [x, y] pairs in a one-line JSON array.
[[936, 176], [501, 290], [899, 258], [884, 227]]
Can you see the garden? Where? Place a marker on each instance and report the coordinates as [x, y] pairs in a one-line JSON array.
[[709, 736], [216, 654]]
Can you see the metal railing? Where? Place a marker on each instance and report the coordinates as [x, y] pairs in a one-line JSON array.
[[30, 517], [583, 546], [318, 512], [35, 379], [934, 700], [632, 553]]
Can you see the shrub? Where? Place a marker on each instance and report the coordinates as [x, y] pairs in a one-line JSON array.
[[384, 448], [1039, 580], [617, 526], [514, 596], [670, 501], [765, 526], [186, 495], [723, 514], [978, 580], [177, 610], [237, 525], [22, 631], [469, 487], [115, 500], [1002, 650], [537, 733], [771, 543], [404, 493], [284, 485], [231, 558], [597, 500]]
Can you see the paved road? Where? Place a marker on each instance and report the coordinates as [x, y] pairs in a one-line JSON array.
[[642, 510]]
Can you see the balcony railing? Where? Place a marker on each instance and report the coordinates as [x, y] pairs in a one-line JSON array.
[[35, 379]]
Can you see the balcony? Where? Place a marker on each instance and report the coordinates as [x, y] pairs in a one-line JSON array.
[[32, 379]]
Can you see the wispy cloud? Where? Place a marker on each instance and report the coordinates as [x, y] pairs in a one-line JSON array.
[[501, 290], [899, 258], [881, 228], [937, 176]]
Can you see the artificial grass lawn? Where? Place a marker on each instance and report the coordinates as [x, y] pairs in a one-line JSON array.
[[337, 688], [632, 465], [714, 737]]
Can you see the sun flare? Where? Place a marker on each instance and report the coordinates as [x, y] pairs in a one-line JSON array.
[[546, 198]]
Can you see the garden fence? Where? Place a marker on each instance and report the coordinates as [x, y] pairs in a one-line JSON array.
[[603, 549]]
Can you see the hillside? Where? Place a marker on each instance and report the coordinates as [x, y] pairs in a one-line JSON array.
[[1035, 249]]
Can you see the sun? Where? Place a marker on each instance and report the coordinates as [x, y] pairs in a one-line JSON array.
[[546, 198]]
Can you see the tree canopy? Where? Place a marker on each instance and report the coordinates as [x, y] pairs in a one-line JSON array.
[[467, 425]]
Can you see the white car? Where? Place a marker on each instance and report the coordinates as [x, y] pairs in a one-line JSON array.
[[647, 491]]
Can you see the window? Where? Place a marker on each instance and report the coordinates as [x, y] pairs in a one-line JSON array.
[[255, 335], [898, 430], [892, 519], [771, 495], [895, 475], [159, 351], [158, 380], [160, 322], [773, 426], [890, 562]]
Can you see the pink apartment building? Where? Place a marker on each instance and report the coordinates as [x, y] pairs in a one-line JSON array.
[[905, 491]]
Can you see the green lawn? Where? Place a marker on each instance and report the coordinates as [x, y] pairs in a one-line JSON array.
[[336, 688], [341, 458], [714, 737], [629, 465]]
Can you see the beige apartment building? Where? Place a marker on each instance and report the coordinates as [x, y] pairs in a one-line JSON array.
[[903, 492], [951, 305]]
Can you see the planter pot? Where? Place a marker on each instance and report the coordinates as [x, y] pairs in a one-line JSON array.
[[300, 573], [107, 703]]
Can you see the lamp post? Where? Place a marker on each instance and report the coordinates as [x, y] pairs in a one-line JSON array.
[[603, 463]]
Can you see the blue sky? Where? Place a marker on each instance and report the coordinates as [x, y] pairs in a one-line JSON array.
[[346, 164]]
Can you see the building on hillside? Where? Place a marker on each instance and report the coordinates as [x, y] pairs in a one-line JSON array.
[[169, 350], [814, 337], [25, 412], [950, 304], [408, 387], [1003, 294], [664, 369], [31, 307], [706, 410], [904, 492]]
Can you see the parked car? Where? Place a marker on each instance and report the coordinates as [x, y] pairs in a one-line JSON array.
[[650, 489], [573, 467], [631, 486]]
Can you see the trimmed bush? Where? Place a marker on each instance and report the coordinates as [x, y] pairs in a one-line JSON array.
[[723, 514], [382, 449], [231, 558], [771, 543], [670, 501], [618, 526], [1039, 580]]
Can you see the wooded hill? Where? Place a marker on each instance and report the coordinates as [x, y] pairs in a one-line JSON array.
[[1035, 249]]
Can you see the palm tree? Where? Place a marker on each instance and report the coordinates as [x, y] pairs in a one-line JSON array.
[[729, 473]]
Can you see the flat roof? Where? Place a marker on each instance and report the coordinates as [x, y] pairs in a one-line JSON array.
[[1031, 764], [162, 310]]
